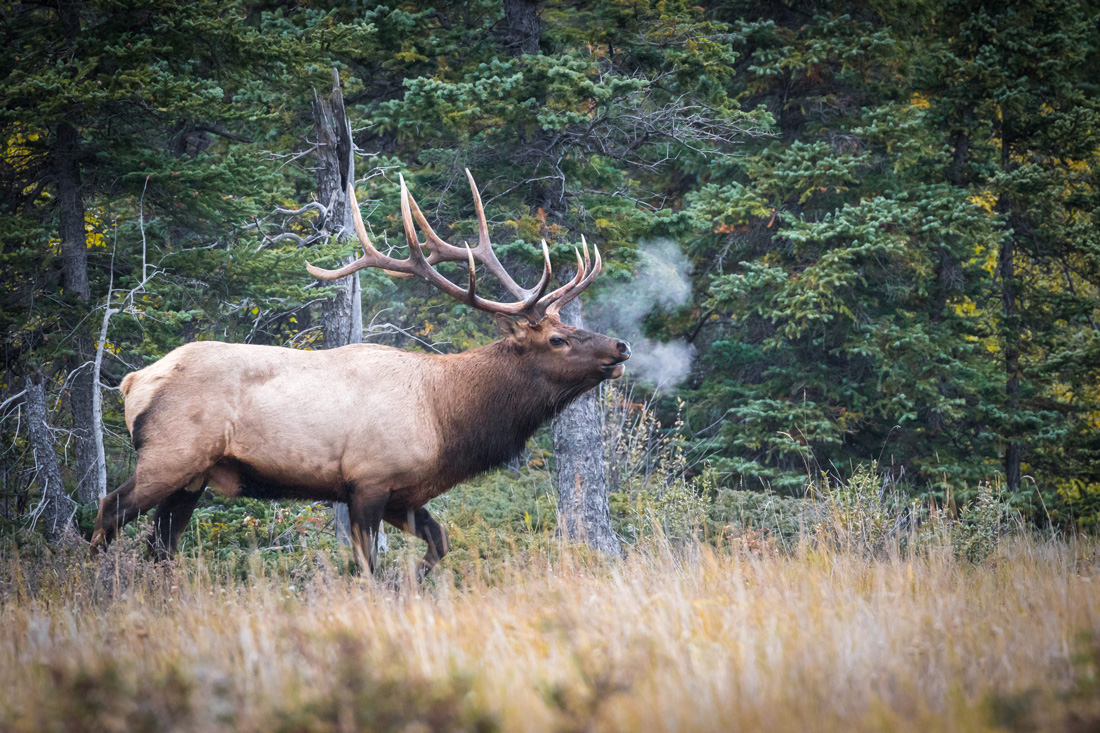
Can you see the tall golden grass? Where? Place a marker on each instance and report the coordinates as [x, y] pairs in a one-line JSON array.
[[737, 638]]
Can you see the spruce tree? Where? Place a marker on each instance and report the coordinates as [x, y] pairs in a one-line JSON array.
[[837, 268], [1014, 84]]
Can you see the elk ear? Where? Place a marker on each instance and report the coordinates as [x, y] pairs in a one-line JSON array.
[[511, 327]]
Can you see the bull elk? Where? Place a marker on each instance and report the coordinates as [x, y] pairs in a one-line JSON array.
[[380, 429]]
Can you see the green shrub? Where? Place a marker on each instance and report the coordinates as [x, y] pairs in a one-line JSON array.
[[981, 524], [783, 518], [648, 470], [866, 514]]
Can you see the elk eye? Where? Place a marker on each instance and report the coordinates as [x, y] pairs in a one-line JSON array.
[[557, 341]]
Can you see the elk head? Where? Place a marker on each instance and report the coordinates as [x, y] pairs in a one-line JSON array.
[[565, 356], [569, 357]]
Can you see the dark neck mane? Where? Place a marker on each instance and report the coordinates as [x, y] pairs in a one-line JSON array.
[[488, 404]]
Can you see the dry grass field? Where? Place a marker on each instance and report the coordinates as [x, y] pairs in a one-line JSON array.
[[738, 638]]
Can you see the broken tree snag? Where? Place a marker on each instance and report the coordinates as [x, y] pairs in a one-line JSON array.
[[580, 477], [342, 314], [56, 513]]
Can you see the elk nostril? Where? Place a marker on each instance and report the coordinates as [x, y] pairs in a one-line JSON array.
[[623, 347]]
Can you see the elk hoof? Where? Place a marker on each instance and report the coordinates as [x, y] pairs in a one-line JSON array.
[[99, 544]]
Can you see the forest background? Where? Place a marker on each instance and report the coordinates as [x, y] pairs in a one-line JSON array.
[[838, 233]]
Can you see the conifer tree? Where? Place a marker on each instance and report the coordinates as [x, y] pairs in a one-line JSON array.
[[1015, 85], [837, 266]]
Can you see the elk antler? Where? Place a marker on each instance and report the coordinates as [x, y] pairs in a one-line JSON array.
[[534, 303]]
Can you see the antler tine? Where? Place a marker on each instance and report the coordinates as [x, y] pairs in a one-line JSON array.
[[371, 257], [415, 252], [470, 294], [482, 225], [544, 281], [561, 292], [357, 221], [485, 246], [441, 251], [578, 284], [422, 266], [597, 267]]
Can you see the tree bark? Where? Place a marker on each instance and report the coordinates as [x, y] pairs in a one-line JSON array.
[[342, 314], [70, 203], [74, 279], [521, 23], [81, 403], [57, 508], [1011, 358], [1012, 325], [97, 400], [961, 144], [580, 476]]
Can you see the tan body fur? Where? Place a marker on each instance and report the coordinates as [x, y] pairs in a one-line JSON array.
[[272, 407]]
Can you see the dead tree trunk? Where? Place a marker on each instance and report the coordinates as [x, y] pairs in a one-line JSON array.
[[342, 318], [342, 314], [97, 370], [56, 510], [580, 476]]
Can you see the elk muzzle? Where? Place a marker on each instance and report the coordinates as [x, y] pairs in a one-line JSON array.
[[614, 369]]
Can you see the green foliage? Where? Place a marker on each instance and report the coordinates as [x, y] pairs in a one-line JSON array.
[[890, 209], [981, 524], [653, 489], [847, 321], [863, 514], [782, 519], [1010, 84], [870, 515], [1075, 504], [854, 311]]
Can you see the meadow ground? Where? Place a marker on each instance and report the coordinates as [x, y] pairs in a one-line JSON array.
[[741, 637]]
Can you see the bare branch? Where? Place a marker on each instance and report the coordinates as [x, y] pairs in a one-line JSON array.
[[13, 398], [222, 132], [311, 206]]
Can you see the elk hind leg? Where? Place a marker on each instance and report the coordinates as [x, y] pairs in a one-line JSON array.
[[420, 523], [161, 472], [170, 519], [116, 510]]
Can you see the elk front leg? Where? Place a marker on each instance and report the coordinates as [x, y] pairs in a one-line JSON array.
[[365, 511], [420, 523]]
